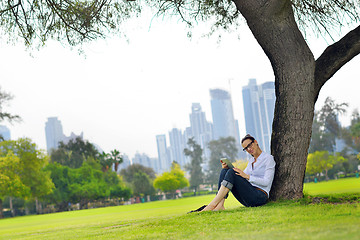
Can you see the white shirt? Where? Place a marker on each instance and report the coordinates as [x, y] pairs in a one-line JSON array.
[[262, 171]]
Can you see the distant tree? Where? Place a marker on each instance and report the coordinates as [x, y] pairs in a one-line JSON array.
[[171, 181], [326, 126], [74, 153], [319, 162], [140, 179], [87, 184], [4, 99], [105, 161], [194, 151], [10, 181], [221, 148], [129, 172], [84, 184], [142, 185], [31, 167], [116, 159]]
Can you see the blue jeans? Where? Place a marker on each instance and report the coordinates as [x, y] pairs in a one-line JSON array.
[[243, 191]]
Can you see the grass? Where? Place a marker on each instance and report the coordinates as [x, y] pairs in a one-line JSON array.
[[167, 220]]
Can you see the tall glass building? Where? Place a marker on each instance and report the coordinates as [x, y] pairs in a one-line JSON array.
[[259, 106], [54, 133], [164, 163], [224, 124], [201, 129], [177, 146]]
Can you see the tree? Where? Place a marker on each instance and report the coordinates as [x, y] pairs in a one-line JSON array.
[[74, 153], [129, 172], [221, 148], [31, 167], [326, 126], [275, 25], [116, 159], [194, 167], [142, 185], [4, 99], [171, 181], [322, 161], [140, 178], [105, 161], [10, 180]]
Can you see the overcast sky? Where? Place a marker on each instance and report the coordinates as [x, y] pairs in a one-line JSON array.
[[122, 94]]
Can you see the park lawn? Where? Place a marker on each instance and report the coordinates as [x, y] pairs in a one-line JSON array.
[[343, 185], [168, 220]]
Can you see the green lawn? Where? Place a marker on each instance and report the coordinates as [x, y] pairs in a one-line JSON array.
[[168, 220]]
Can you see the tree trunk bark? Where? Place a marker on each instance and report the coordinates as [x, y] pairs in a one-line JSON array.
[[11, 207], [274, 27], [1, 209]]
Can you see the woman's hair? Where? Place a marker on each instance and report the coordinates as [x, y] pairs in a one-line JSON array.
[[248, 136]]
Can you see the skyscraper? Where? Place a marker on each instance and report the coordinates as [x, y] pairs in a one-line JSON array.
[[224, 124], [201, 129], [259, 105], [5, 133], [163, 158], [54, 133], [177, 145]]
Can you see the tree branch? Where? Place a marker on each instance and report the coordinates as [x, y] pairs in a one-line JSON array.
[[334, 57]]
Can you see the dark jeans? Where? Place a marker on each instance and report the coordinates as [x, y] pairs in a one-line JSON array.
[[243, 191]]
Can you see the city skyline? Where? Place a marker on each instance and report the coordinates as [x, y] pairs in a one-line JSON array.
[[122, 94]]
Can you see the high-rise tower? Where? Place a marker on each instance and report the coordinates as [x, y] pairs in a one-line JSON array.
[[224, 124], [201, 129], [259, 105], [54, 133], [163, 158]]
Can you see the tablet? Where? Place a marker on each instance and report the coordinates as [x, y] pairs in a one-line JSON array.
[[227, 161]]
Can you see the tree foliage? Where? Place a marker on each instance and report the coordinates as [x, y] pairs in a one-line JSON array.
[[5, 98], [140, 178], [84, 184], [326, 126], [194, 151], [10, 181], [74, 153], [319, 162], [171, 181], [221, 148], [31, 166]]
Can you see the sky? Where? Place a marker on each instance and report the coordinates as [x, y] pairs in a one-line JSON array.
[[124, 91]]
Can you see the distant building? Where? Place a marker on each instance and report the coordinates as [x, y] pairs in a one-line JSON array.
[[5, 133], [259, 105], [177, 146], [200, 128], [146, 161], [163, 155], [224, 124], [54, 133]]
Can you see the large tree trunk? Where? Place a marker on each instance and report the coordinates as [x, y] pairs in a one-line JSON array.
[[274, 27]]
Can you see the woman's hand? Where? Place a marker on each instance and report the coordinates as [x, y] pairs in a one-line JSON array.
[[224, 165], [241, 173]]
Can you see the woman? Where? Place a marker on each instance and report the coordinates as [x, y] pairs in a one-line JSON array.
[[250, 187]]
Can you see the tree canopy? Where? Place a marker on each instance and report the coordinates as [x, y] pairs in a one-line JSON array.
[[171, 181], [74, 152], [5, 98]]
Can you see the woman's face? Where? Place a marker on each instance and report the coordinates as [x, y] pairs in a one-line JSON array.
[[250, 146]]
